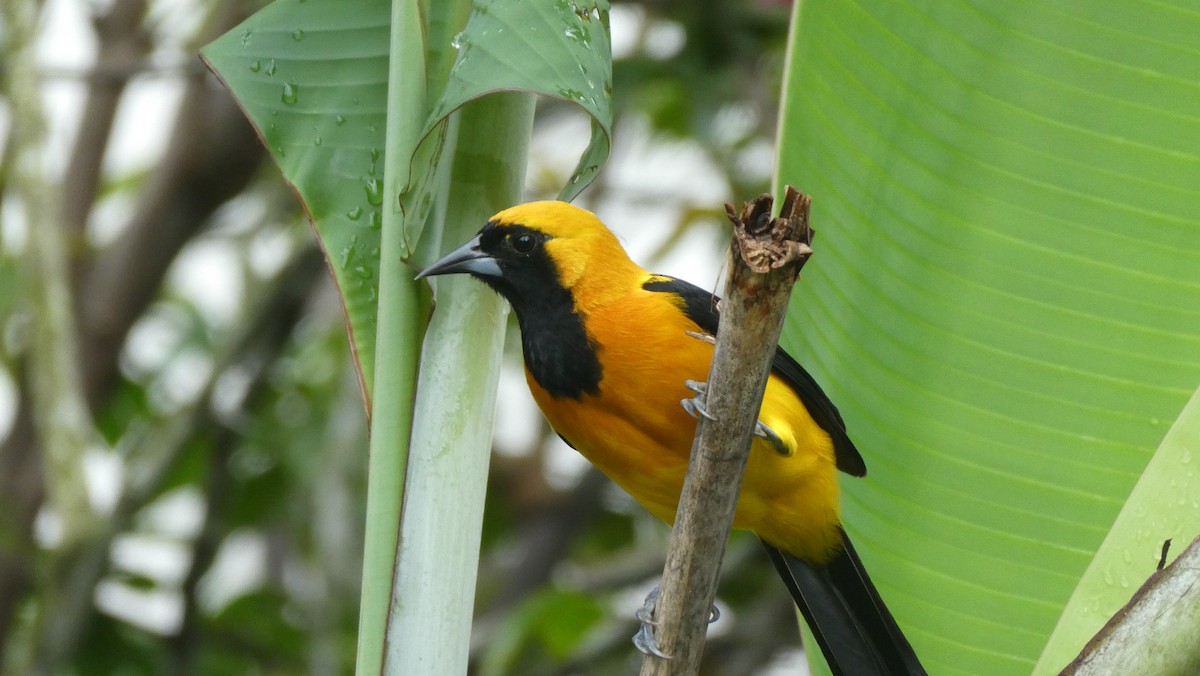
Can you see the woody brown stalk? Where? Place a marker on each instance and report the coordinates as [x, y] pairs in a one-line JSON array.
[[766, 257]]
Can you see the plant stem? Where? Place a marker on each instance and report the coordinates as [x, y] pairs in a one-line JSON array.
[[766, 256]]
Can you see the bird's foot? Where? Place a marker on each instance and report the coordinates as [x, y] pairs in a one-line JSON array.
[[695, 406], [644, 639], [763, 432]]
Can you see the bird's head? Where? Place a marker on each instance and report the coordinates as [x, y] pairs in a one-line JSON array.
[[525, 251]]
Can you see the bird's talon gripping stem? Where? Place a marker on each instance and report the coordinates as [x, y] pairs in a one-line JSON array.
[[695, 406], [763, 432], [644, 639]]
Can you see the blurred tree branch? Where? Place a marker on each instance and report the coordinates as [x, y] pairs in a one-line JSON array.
[[212, 157]]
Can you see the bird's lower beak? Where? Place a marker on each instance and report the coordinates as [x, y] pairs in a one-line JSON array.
[[467, 258]]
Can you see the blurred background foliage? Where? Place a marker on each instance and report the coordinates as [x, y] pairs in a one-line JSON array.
[[200, 507]]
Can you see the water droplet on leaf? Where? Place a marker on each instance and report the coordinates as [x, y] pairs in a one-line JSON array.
[[374, 189], [291, 91]]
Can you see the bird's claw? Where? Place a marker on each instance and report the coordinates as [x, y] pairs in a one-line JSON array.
[[763, 432], [695, 406], [644, 639], [697, 409]]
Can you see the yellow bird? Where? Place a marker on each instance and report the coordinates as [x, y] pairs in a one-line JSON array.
[[608, 357]]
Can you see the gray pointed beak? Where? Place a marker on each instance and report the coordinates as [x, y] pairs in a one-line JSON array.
[[467, 258]]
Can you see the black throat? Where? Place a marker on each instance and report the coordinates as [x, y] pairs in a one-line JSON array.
[[560, 355]]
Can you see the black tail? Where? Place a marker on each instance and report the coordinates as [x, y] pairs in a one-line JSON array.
[[850, 622]]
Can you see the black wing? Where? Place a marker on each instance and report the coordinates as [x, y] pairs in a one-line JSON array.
[[700, 307]]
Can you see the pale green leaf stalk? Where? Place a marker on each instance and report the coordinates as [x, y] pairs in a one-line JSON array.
[[398, 337], [429, 628], [1165, 504]]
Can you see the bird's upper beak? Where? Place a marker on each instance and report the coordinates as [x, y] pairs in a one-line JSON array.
[[466, 258]]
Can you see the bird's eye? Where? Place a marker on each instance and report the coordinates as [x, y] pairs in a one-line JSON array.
[[523, 243]]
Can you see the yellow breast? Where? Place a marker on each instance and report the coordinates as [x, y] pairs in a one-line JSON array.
[[637, 433]]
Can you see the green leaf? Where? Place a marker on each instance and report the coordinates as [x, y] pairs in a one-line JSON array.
[[1002, 298], [552, 621], [259, 621], [1165, 505], [312, 77], [559, 49]]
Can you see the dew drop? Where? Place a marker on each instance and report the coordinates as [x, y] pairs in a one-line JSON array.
[[246, 38], [375, 220], [459, 40], [571, 94], [354, 214], [255, 67], [291, 91], [374, 188], [271, 67], [317, 141], [339, 120], [297, 35]]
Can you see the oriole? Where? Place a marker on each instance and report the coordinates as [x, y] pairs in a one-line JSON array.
[[607, 353]]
